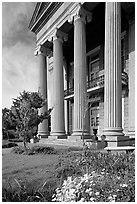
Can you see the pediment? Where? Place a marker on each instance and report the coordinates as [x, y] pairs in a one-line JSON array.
[[42, 13], [39, 9]]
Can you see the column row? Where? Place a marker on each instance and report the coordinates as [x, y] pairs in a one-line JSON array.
[[113, 96]]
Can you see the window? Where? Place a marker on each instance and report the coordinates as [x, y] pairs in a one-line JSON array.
[[92, 121], [97, 121], [93, 67]]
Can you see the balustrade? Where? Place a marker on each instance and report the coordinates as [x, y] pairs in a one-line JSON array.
[[97, 82]]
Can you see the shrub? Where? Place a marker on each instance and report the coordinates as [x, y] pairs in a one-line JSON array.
[[112, 163], [43, 150], [18, 150], [102, 177], [70, 149], [67, 165], [16, 140], [95, 188], [34, 150], [9, 145]]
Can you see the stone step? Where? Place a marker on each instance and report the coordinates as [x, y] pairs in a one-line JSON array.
[[122, 148]]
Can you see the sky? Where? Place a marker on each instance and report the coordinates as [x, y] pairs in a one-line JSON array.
[[19, 65]]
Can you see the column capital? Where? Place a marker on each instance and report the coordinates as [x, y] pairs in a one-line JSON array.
[[58, 34], [80, 13], [42, 50]]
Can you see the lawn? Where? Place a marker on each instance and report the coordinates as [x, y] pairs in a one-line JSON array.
[[32, 169]]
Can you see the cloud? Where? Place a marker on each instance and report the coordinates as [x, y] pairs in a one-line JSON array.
[[15, 21], [19, 65], [20, 70]]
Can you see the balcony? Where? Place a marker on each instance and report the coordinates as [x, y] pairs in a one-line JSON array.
[[95, 84]]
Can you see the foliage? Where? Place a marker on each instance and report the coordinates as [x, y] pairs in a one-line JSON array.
[[25, 112], [15, 140], [43, 150], [34, 150], [67, 165], [95, 187], [101, 177], [8, 123], [9, 145]]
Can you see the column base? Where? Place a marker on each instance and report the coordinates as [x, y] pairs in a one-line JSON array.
[[115, 137], [78, 135], [43, 134], [113, 132], [117, 141], [58, 135]]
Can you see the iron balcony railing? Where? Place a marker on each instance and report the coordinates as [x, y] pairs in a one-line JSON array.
[[97, 83]]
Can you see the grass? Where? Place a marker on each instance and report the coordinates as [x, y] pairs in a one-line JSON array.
[[32, 169]]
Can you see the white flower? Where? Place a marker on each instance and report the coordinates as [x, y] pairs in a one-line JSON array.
[[123, 185], [102, 172], [87, 190], [114, 196], [69, 179], [97, 193], [82, 199], [110, 197], [54, 199], [92, 199]]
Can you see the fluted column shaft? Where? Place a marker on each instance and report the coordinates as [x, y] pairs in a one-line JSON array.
[[42, 53], [80, 88], [57, 116], [113, 87]]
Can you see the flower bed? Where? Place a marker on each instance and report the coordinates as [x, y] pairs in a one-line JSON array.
[[108, 178]]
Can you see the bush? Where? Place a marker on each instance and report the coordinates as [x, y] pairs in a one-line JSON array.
[[43, 150], [70, 149], [34, 150], [102, 177], [95, 188], [18, 150], [16, 140], [9, 145]]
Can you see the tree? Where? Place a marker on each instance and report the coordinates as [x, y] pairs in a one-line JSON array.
[[8, 122], [25, 110]]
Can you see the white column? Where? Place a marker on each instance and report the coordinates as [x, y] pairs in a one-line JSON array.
[[42, 52], [80, 71], [57, 116], [113, 87], [131, 102]]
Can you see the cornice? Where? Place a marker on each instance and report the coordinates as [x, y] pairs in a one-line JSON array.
[[62, 18], [47, 12]]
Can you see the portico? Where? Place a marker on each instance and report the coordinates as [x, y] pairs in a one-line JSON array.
[[65, 35]]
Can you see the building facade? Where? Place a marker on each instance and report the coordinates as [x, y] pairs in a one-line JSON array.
[[86, 53]]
